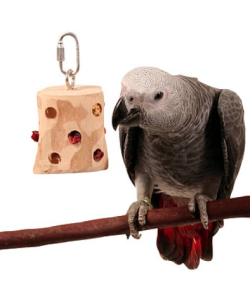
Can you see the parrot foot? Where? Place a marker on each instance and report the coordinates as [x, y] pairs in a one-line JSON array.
[[201, 200], [137, 214]]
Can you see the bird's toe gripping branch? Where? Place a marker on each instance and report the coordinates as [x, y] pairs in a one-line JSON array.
[[137, 216], [201, 200]]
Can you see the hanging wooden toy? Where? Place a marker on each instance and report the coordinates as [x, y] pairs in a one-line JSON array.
[[71, 134]]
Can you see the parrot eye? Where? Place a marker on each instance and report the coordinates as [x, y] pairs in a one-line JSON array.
[[159, 96]]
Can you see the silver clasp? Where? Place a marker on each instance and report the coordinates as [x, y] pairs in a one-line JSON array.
[[61, 58]]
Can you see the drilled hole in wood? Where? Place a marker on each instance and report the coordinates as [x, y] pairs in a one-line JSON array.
[[74, 137], [97, 109], [98, 155], [54, 158], [50, 112]]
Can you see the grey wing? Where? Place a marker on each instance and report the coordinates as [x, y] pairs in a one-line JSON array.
[[129, 143], [231, 116]]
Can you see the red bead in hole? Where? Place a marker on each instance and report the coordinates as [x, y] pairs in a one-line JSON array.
[[98, 155], [74, 137]]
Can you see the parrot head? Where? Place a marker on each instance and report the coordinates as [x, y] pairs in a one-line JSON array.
[[149, 99]]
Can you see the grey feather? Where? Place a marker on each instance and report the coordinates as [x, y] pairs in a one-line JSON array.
[[232, 138], [129, 144], [198, 147]]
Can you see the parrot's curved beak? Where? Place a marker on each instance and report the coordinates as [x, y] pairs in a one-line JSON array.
[[121, 116]]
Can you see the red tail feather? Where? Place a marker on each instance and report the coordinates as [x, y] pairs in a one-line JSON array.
[[185, 244]]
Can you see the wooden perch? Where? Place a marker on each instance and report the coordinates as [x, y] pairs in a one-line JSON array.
[[158, 218]]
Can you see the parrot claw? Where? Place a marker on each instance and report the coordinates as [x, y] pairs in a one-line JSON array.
[[137, 214], [201, 200]]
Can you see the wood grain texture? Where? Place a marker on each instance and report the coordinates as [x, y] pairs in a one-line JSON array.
[[158, 218], [62, 111]]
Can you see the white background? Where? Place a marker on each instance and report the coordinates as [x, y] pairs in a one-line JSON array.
[[204, 39]]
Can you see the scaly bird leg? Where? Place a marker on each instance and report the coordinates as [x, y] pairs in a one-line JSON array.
[[201, 201], [138, 210]]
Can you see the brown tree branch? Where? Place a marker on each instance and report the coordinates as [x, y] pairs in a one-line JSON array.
[[158, 218]]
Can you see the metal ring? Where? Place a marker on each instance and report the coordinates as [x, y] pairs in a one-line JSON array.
[[60, 53], [69, 74]]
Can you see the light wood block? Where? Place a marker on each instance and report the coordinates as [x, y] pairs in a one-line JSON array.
[[62, 111]]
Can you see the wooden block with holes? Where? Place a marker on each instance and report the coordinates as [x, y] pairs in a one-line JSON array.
[[71, 130]]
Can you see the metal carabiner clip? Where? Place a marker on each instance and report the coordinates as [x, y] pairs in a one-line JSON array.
[[61, 58]]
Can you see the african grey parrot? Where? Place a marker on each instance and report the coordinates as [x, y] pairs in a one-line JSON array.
[[182, 143]]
